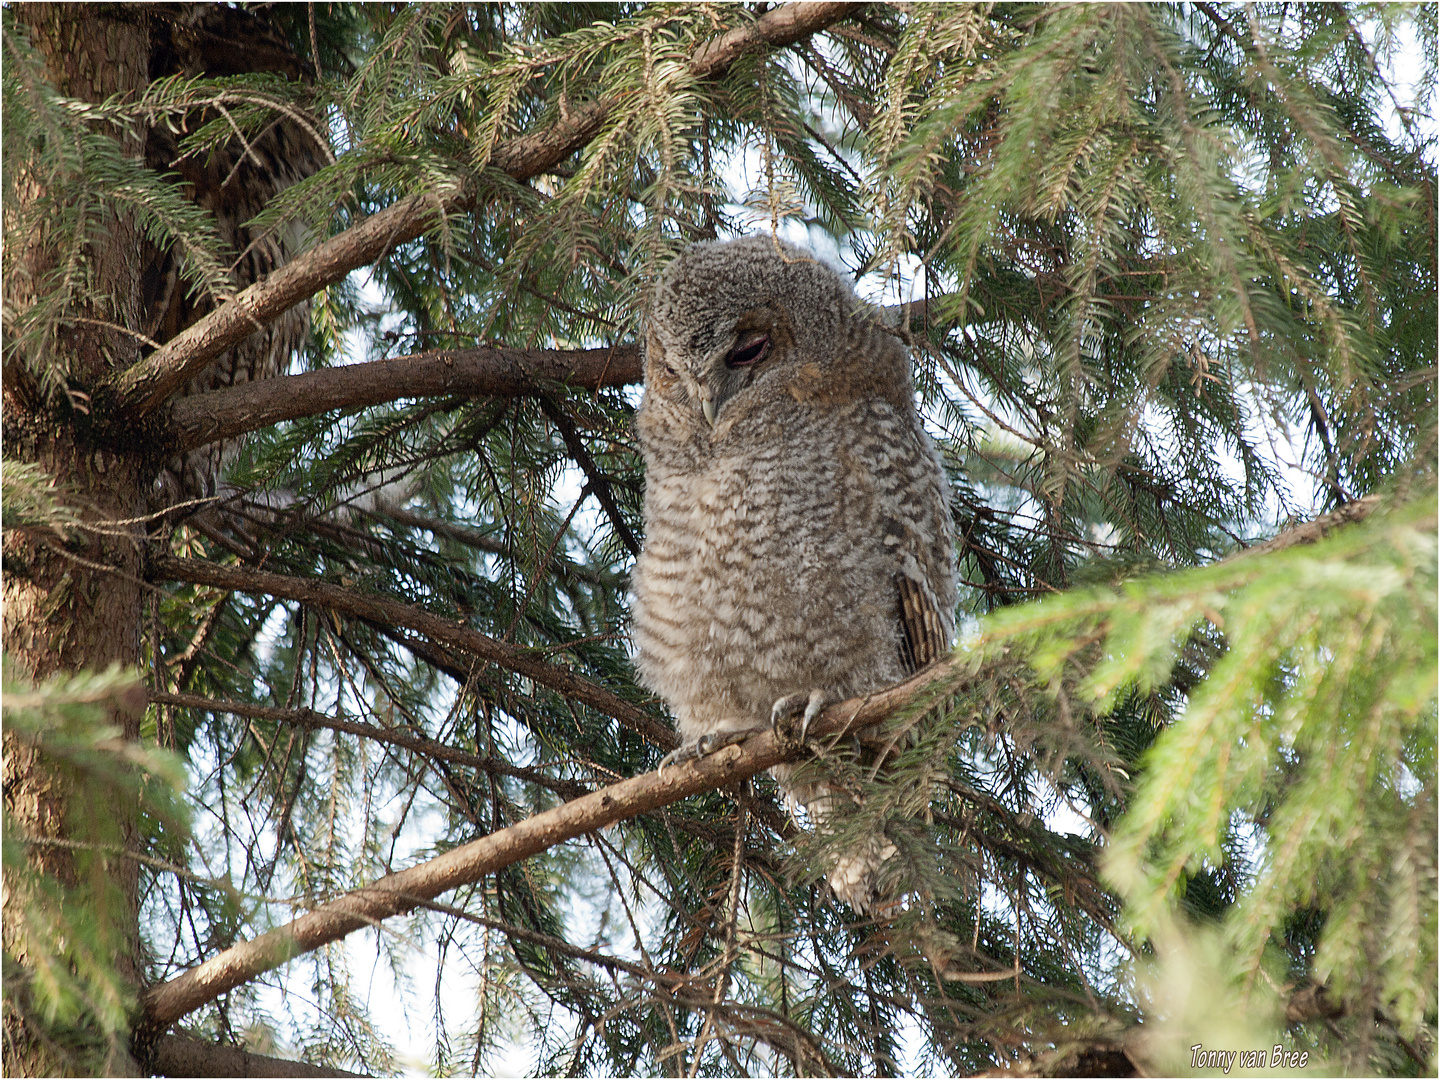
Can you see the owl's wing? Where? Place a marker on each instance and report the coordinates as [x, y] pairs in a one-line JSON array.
[[922, 630]]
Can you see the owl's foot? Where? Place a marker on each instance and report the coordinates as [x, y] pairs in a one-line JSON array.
[[790, 716], [704, 746]]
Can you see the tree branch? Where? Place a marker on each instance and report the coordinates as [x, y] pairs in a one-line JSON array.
[[783, 25], [447, 632], [498, 372], [184, 1055], [405, 890], [1308, 532], [423, 744], [145, 386], [561, 566], [483, 371], [599, 482]]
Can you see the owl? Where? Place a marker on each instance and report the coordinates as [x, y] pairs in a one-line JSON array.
[[798, 543]]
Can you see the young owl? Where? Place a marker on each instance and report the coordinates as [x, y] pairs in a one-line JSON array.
[[798, 546]]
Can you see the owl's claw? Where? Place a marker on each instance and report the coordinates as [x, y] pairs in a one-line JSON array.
[[680, 754], [704, 746], [804, 707]]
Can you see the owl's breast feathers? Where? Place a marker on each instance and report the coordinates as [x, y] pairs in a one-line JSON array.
[[800, 552]]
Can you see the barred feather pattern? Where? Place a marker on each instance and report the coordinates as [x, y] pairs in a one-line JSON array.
[[801, 541]]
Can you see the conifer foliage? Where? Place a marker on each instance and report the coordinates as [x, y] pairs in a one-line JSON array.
[[1167, 275]]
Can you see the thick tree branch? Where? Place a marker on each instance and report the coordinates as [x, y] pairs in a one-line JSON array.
[[145, 386], [183, 1055], [405, 890], [250, 406], [446, 632]]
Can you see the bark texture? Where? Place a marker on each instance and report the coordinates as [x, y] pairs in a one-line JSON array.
[[63, 614], [223, 414], [181, 1055]]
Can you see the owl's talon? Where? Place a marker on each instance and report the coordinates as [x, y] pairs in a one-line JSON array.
[[680, 754], [704, 746], [804, 706], [719, 740]]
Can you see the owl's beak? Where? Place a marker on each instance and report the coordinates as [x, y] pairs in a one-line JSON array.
[[707, 406]]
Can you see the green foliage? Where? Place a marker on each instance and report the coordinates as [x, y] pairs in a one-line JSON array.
[[64, 173], [31, 501], [1150, 251], [68, 936], [1305, 759]]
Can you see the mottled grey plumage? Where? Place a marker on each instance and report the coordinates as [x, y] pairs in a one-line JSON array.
[[797, 532]]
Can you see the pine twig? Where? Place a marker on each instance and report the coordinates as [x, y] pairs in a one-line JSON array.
[[599, 482], [445, 632]]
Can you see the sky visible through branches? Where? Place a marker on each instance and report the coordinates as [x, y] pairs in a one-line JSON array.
[[436, 982]]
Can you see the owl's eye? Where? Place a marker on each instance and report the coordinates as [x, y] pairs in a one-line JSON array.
[[749, 350]]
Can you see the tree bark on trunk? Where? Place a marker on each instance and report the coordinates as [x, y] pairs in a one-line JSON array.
[[63, 613]]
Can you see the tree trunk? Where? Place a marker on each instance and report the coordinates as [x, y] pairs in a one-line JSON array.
[[62, 613]]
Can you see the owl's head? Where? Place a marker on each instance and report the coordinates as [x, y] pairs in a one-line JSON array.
[[737, 323]]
